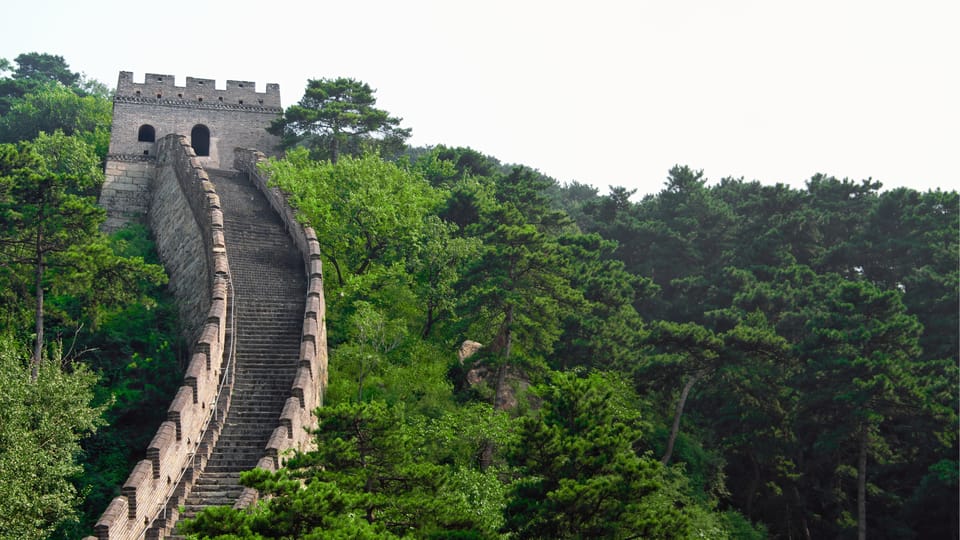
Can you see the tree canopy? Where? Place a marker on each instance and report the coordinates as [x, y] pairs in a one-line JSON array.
[[90, 306], [338, 116]]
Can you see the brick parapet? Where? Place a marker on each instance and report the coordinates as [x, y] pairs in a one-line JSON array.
[[185, 223]]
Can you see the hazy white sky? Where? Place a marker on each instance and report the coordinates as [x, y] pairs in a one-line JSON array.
[[602, 92]]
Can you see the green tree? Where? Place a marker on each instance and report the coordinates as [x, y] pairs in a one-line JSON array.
[[437, 268], [580, 476], [43, 66], [517, 292], [365, 210], [373, 338], [842, 208], [910, 243], [859, 352], [368, 478], [43, 210], [35, 71], [338, 116], [44, 413], [605, 327], [776, 225], [690, 351], [53, 107]]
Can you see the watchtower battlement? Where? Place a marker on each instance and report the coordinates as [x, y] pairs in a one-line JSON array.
[[197, 92]]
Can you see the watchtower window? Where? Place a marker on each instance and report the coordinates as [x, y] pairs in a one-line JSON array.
[[146, 133], [200, 139]]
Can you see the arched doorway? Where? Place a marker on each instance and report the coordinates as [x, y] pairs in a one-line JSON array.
[[200, 140], [146, 133]]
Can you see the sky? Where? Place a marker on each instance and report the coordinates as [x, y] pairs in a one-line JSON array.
[[601, 92]]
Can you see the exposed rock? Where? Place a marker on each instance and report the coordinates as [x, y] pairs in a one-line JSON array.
[[467, 349], [511, 380]]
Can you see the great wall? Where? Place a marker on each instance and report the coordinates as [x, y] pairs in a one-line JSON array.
[[248, 281]]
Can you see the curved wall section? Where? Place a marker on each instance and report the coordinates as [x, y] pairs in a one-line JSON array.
[[306, 393], [188, 225]]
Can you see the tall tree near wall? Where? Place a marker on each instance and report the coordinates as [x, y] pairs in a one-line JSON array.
[[43, 416], [518, 290], [43, 211], [339, 116]]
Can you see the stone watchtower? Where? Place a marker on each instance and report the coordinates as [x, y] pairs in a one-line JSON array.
[[214, 122]]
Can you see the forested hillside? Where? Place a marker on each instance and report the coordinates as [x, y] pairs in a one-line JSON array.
[[722, 359], [88, 346]]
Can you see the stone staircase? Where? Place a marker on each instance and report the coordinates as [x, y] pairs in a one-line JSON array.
[[269, 292]]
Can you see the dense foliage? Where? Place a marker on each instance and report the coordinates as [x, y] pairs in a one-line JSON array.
[[730, 360], [716, 360], [79, 410], [43, 416]]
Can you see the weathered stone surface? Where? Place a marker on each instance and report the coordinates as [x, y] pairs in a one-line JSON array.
[[125, 194], [180, 244]]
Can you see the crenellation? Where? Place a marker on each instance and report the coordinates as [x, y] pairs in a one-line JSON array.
[[163, 87], [136, 487], [183, 414]]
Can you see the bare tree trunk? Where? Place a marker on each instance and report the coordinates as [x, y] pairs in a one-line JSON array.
[[38, 344], [862, 486], [335, 148], [754, 486], [336, 266], [428, 325], [676, 417], [804, 528], [503, 345]]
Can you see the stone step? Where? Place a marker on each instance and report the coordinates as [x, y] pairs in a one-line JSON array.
[[270, 289]]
